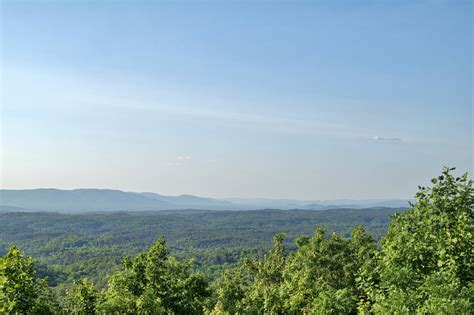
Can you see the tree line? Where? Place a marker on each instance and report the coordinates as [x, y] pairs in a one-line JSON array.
[[424, 264]]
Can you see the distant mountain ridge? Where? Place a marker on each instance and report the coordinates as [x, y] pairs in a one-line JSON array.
[[86, 200]]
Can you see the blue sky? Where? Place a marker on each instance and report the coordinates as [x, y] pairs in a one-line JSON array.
[[312, 100]]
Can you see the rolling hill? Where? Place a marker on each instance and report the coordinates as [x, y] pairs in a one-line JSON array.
[[93, 200]]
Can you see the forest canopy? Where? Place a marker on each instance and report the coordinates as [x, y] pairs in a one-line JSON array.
[[423, 264]]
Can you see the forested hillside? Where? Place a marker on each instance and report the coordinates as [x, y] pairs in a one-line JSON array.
[[69, 247], [424, 262]]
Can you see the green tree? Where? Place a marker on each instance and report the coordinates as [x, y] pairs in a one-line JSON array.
[[83, 298], [20, 291], [264, 295], [231, 290], [320, 276], [255, 287], [17, 283], [367, 278], [427, 261], [155, 283]]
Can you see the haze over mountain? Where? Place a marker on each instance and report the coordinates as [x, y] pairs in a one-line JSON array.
[[83, 200]]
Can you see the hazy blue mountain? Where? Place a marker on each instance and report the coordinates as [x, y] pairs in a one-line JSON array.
[[317, 206], [356, 204], [267, 203], [80, 200], [285, 204], [101, 200], [12, 209], [190, 201]]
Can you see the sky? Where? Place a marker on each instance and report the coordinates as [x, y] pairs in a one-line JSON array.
[[287, 99]]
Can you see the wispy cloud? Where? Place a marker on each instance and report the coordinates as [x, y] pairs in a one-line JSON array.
[[180, 161], [393, 139], [105, 99], [289, 125]]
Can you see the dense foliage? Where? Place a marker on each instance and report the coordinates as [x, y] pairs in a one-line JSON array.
[[424, 264], [68, 247], [427, 261], [20, 290]]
